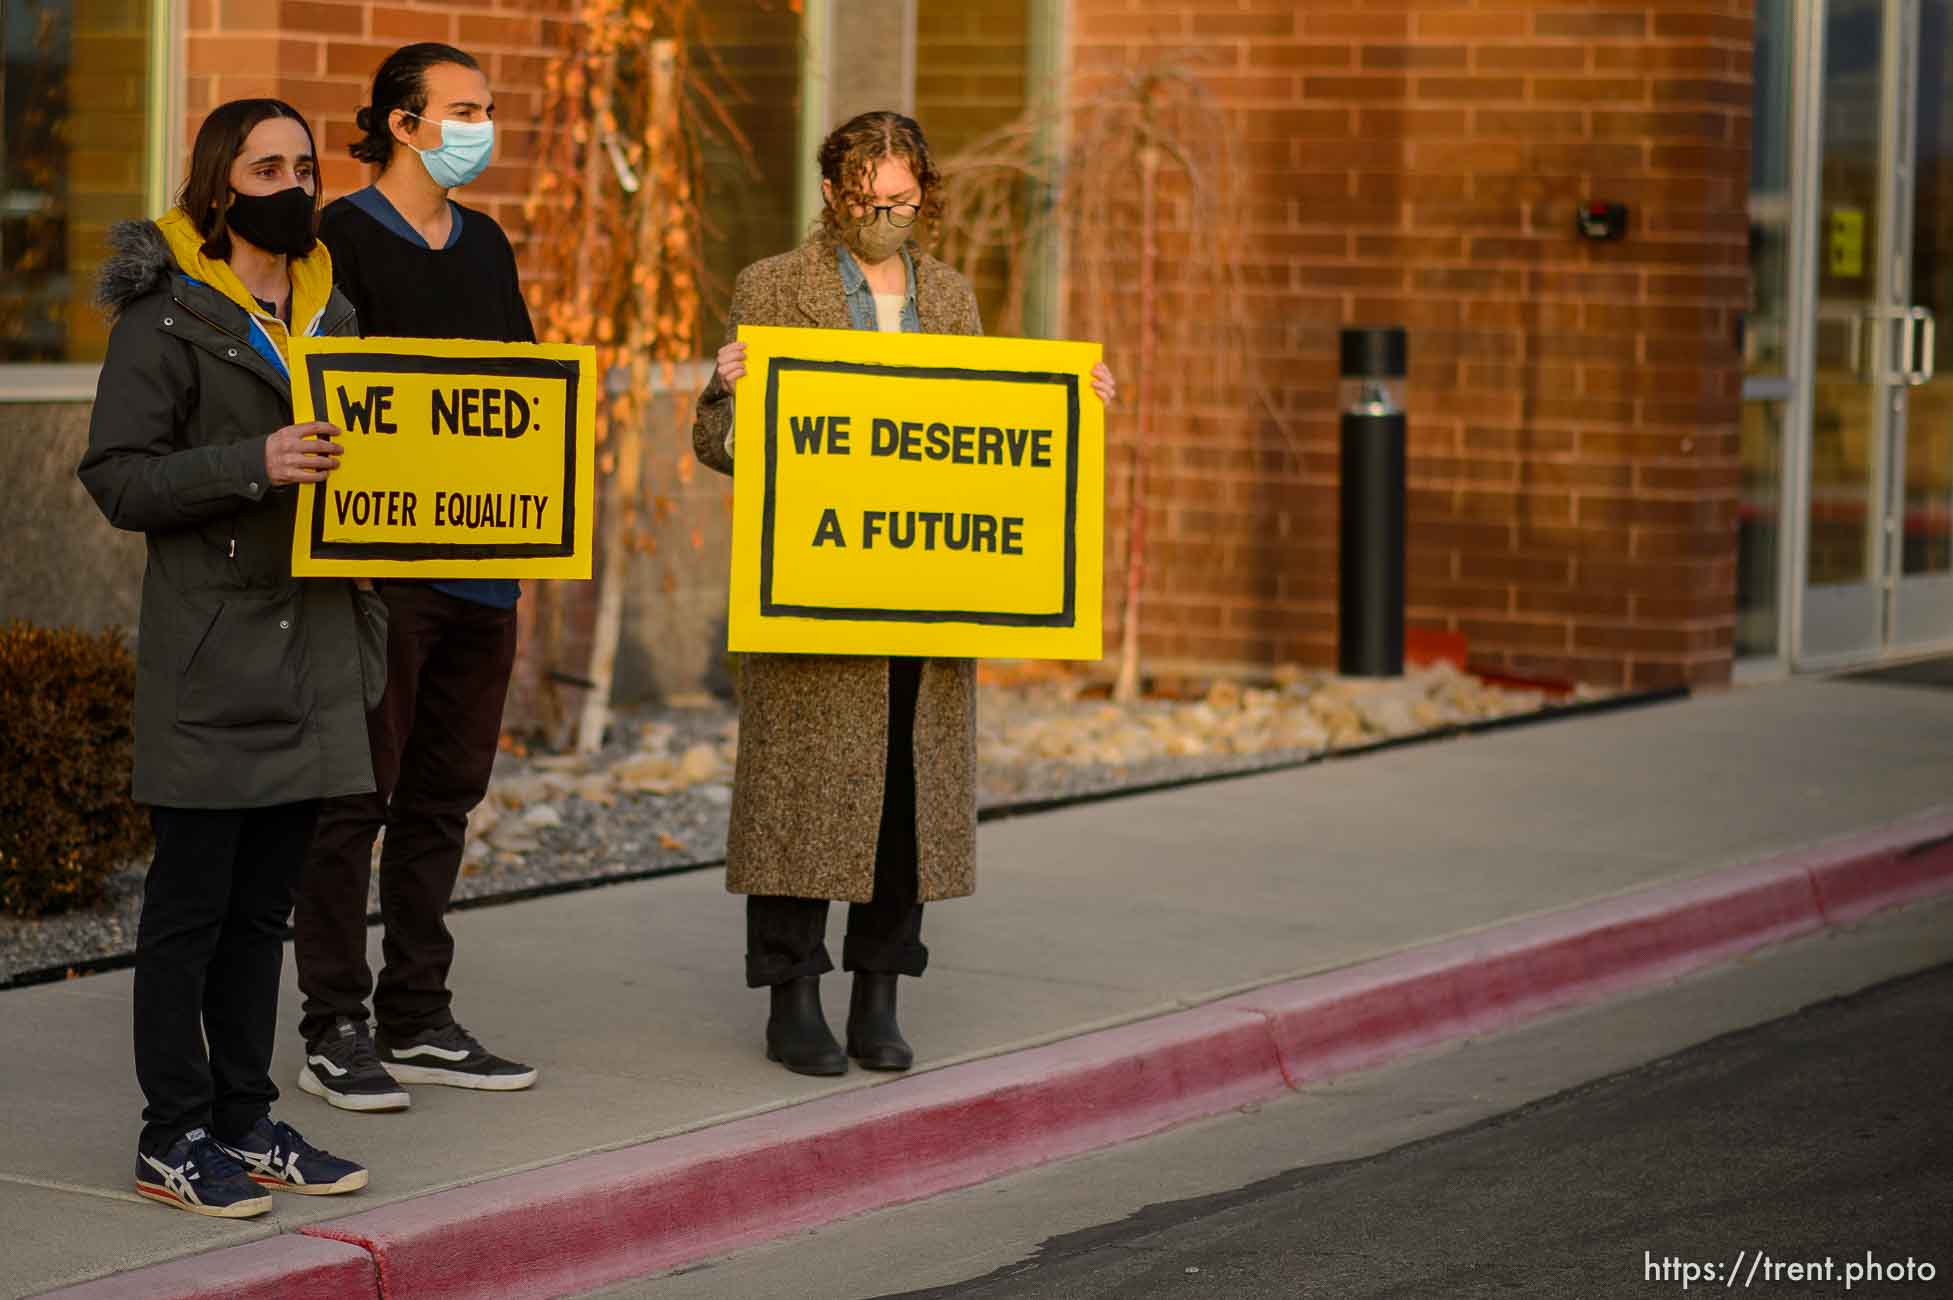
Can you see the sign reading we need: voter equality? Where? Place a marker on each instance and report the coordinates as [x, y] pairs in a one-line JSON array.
[[916, 494], [463, 459]]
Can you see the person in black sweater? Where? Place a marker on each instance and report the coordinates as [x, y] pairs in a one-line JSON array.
[[415, 264]]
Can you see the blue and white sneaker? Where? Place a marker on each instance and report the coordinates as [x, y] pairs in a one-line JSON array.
[[274, 1155], [196, 1175]]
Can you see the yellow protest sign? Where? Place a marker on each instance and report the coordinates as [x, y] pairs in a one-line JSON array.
[[916, 494], [463, 459]]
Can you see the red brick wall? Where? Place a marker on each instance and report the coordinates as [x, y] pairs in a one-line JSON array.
[[320, 55], [1574, 463]]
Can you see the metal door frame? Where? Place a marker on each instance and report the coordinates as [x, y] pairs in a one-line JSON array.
[[1838, 613], [1919, 614], [1800, 333]]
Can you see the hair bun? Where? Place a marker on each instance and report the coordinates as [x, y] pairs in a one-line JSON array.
[[364, 119]]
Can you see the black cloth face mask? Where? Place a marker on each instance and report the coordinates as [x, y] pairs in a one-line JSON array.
[[277, 223]]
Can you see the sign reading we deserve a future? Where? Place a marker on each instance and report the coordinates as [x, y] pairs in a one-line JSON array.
[[917, 494], [463, 459]]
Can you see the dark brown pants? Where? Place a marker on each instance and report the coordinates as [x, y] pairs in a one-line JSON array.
[[786, 938], [433, 738]]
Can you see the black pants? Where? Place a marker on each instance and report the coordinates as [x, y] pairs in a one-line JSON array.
[[433, 739], [208, 951], [786, 938]]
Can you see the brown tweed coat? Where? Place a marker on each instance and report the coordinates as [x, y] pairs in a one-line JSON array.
[[813, 729]]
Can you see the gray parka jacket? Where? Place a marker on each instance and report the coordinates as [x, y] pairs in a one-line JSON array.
[[251, 686]]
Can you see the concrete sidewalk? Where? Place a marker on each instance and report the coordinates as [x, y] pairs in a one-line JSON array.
[[629, 997]]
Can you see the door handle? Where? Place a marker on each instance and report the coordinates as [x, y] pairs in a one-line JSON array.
[[1920, 341], [1862, 363]]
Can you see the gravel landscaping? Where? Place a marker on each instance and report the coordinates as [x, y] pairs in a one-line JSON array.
[[658, 796]]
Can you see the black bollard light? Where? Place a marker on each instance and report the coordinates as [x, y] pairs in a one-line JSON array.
[[1371, 610]]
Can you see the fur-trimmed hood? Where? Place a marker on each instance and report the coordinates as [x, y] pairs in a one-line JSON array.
[[148, 254], [140, 262]]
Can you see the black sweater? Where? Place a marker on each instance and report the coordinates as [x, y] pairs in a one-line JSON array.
[[404, 289]]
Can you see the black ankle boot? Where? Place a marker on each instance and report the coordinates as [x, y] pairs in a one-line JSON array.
[[874, 1039], [797, 1035]]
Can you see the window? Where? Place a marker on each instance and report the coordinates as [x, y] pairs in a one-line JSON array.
[[75, 157], [1767, 384], [1769, 200], [748, 198], [982, 65], [1759, 520]]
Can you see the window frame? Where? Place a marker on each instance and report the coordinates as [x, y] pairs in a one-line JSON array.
[[75, 381]]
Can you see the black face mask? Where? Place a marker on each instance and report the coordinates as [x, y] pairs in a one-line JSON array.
[[277, 223]]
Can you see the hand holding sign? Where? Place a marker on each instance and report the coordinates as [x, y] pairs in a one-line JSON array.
[[732, 364], [301, 453], [1103, 383]]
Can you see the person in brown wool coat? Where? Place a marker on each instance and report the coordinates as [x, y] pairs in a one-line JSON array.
[[856, 778]]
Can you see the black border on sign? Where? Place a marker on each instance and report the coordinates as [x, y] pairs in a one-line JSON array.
[[319, 365], [1067, 616]]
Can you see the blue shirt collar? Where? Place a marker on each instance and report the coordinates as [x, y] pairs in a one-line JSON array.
[[854, 280], [861, 299], [377, 206]]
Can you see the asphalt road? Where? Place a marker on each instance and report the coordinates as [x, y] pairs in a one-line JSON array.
[[1824, 1136]]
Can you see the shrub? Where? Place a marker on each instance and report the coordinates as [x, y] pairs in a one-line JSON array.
[[67, 747]]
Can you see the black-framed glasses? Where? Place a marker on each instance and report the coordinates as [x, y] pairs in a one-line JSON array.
[[900, 215]]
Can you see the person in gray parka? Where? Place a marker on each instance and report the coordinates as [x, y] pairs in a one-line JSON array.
[[251, 686]]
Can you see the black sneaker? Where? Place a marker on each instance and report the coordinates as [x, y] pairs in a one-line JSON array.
[[451, 1055], [274, 1155], [196, 1175], [341, 1067]]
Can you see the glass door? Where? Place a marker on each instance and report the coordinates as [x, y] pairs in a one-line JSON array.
[[1777, 228], [1878, 527], [1844, 599], [1922, 546]]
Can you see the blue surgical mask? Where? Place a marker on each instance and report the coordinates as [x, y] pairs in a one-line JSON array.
[[463, 153]]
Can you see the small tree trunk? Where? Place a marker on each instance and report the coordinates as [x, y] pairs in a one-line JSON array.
[[595, 715], [627, 432], [553, 610], [1126, 688]]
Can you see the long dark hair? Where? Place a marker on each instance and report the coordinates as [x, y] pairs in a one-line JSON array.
[[206, 191], [848, 158], [401, 83]]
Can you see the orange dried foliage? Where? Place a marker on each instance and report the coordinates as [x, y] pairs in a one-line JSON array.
[[629, 110]]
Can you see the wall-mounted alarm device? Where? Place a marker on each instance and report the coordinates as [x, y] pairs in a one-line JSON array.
[[1600, 220]]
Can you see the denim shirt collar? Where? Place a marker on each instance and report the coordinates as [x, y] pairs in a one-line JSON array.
[[861, 298]]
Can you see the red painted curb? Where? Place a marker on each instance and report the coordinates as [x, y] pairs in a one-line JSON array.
[[1901, 873], [1361, 1016], [286, 1267], [600, 1219], [603, 1218]]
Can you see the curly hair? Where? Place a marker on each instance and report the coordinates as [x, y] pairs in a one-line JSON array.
[[848, 158]]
